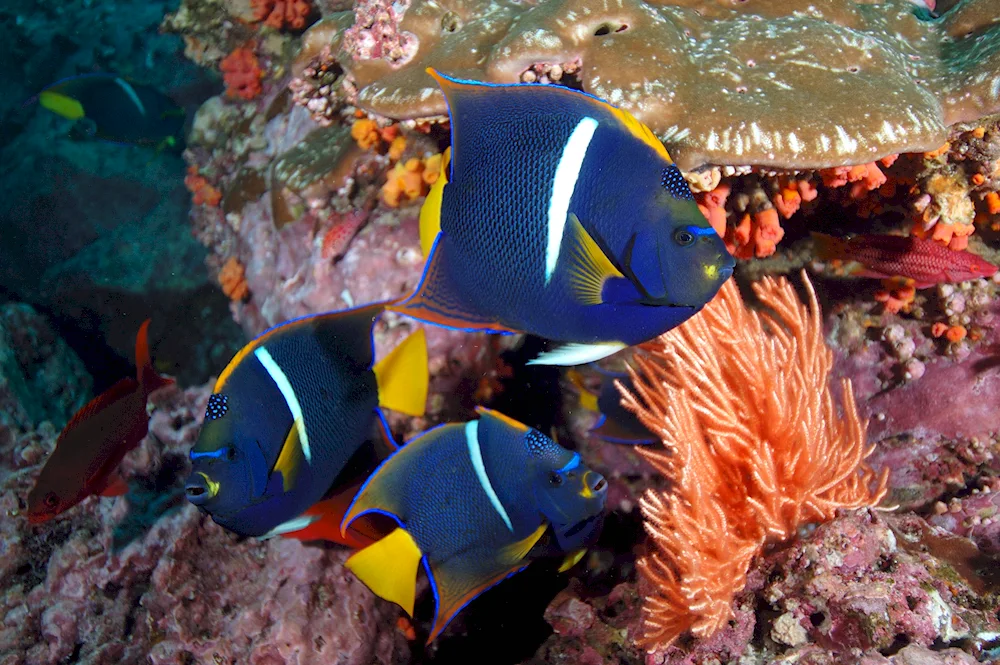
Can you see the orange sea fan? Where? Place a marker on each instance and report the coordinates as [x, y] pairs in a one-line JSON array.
[[755, 448]]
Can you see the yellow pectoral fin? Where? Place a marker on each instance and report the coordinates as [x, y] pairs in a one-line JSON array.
[[516, 552], [65, 106], [290, 457], [572, 559], [588, 266], [402, 376], [389, 568], [430, 211]]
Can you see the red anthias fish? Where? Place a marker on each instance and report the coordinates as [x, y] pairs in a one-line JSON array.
[[924, 261], [90, 447]]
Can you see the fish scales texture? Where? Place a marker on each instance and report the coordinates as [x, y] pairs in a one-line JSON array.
[[430, 512], [327, 363], [94, 438], [509, 146], [336, 389]]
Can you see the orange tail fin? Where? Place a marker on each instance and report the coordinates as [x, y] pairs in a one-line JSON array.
[[145, 374], [331, 512]]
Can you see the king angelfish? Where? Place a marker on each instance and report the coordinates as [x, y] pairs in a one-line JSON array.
[[475, 502], [560, 215], [288, 416]]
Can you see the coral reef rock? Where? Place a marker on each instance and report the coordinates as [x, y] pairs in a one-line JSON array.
[[41, 378], [790, 84], [147, 578]]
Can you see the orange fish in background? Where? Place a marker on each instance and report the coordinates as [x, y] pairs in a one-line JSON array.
[[90, 447], [884, 256]]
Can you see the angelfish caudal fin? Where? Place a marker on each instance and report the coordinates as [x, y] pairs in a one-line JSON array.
[[389, 568]]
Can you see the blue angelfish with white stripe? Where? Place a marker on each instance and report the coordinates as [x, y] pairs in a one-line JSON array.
[[560, 215], [475, 503], [289, 414], [110, 108]]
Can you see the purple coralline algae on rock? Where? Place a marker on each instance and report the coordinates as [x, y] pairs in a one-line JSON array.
[[145, 578]]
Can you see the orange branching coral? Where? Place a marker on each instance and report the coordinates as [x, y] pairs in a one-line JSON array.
[[279, 13], [202, 192], [242, 73], [410, 180], [233, 279], [755, 448]]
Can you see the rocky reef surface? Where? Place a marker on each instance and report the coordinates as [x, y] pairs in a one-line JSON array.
[[299, 192]]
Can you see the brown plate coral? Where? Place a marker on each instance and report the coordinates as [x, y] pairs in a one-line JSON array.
[[789, 84]]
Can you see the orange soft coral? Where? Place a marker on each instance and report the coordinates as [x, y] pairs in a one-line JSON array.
[[281, 13], [233, 279], [755, 448], [370, 136], [242, 73], [757, 234], [202, 192], [410, 180]]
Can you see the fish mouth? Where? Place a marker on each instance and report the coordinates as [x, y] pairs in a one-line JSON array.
[[39, 517], [200, 489]]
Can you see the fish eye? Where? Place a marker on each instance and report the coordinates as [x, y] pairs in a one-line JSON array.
[[231, 453], [51, 500], [683, 237], [555, 479]]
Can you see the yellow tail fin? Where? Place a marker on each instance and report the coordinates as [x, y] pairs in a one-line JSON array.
[[403, 376], [389, 568], [58, 103]]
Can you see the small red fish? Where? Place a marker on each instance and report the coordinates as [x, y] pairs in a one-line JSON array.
[[87, 453], [924, 261]]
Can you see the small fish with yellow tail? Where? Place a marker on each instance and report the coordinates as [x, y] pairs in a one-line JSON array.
[[289, 414], [474, 502], [885, 256], [560, 215], [93, 443], [615, 423], [110, 108]]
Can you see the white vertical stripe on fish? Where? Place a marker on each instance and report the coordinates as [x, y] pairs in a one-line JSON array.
[[563, 184], [476, 455], [130, 91], [280, 380]]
